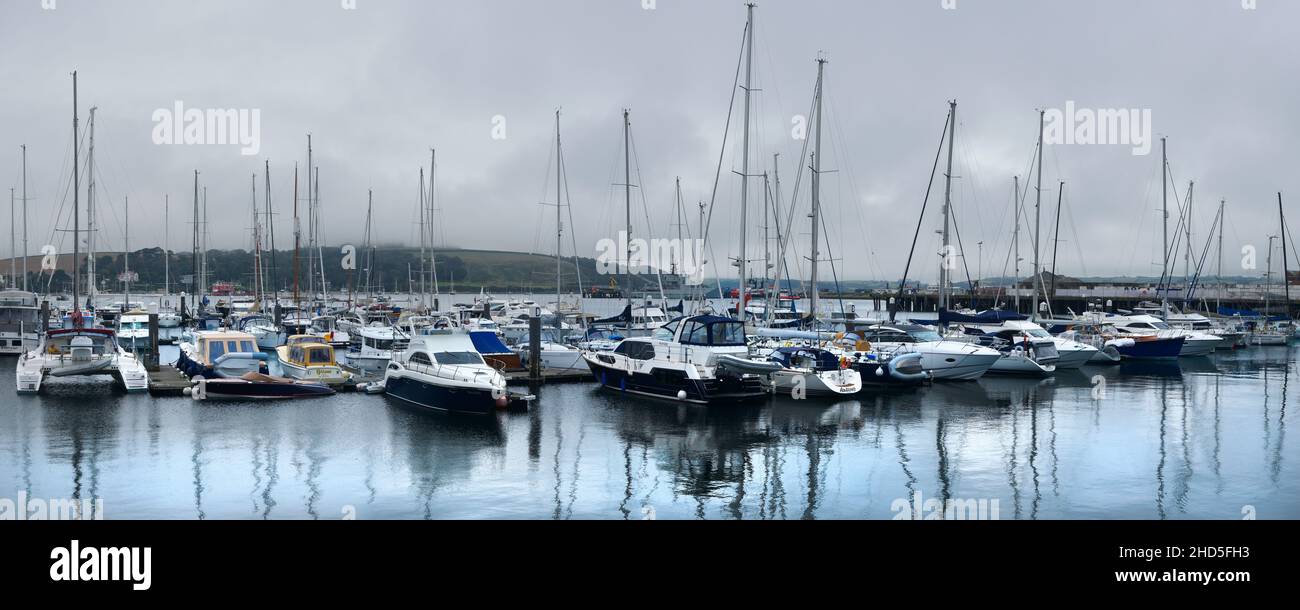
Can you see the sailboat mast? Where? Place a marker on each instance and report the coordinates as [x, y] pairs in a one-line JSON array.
[[1218, 301], [433, 195], [770, 310], [1164, 224], [627, 193], [1049, 294], [297, 236], [91, 229], [767, 244], [13, 243], [1187, 217], [1286, 284], [741, 260], [257, 251], [126, 256], [424, 237], [1015, 244], [320, 247], [167, 252], [76, 205], [1038, 215], [25, 250], [197, 282], [559, 225], [813, 292], [944, 279], [270, 227]]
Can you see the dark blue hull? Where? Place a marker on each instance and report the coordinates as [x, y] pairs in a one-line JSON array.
[[669, 384], [236, 389], [1159, 349], [440, 398], [868, 371]]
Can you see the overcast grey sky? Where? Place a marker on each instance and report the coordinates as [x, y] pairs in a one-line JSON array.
[[378, 85]]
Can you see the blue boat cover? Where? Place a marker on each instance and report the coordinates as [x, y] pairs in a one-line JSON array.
[[487, 342], [826, 361], [992, 316]]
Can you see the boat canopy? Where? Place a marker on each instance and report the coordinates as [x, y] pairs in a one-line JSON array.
[[822, 360], [487, 342], [992, 316], [311, 354], [712, 330]]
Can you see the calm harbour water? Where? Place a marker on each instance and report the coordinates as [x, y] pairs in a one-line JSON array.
[[1202, 438]]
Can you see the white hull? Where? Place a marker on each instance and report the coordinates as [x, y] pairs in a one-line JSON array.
[[558, 357], [1016, 364], [846, 382]]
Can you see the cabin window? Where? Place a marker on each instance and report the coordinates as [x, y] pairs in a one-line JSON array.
[[728, 333], [420, 358], [696, 333], [246, 346], [458, 358], [320, 356], [216, 349]]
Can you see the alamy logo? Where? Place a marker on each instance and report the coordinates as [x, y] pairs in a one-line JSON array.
[[917, 508], [1126, 126], [54, 509], [637, 256], [192, 126], [114, 564]]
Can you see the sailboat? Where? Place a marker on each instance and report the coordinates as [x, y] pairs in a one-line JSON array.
[[78, 351]]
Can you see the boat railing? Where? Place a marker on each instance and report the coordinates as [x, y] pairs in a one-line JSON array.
[[439, 370]]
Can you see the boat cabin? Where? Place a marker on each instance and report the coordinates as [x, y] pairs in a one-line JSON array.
[[212, 346]]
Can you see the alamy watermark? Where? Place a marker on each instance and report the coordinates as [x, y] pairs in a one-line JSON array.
[[637, 256], [221, 126], [1104, 126], [918, 508], [26, 508]]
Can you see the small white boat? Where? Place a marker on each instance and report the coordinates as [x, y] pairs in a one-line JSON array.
[[812, 372], [373, 347], [80, 352], [944, 360]]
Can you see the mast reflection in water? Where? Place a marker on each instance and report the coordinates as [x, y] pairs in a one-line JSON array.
[[1200, 438]]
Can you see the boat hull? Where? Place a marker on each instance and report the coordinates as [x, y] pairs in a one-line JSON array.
[[239, 389], [668, 383], [443, 398]]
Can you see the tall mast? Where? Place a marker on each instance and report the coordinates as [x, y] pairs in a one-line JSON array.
[[311, 224], [1286, 284], [270, 226], [1049, 294], [1218, 301], [25, 250], [126, 256], [13, 242], [167, 252], [370, 251], [814, 292], [767, 245], [320, 248], [91, 229], [203, 269], [1015, 244], [424, 236], [1038, 214], [627, 192], [297, 237], [678, 197], [257, 252], [742, 261], [194, 248], [559, 224], [770, 310], [1164, 224], [433, 254], [1187, 217], [944, 275], [76, 205]]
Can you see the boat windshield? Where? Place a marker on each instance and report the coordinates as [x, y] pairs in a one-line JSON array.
[[1038, 332], [458, 358], [926, 336], [1160, 325]]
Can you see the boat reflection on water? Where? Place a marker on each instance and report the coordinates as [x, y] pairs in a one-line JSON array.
[[1136, 441]]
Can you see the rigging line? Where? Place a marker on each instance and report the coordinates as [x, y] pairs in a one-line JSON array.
[[573, 237], [798, 181], [645, 207], [920, 220], [965, 263]]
